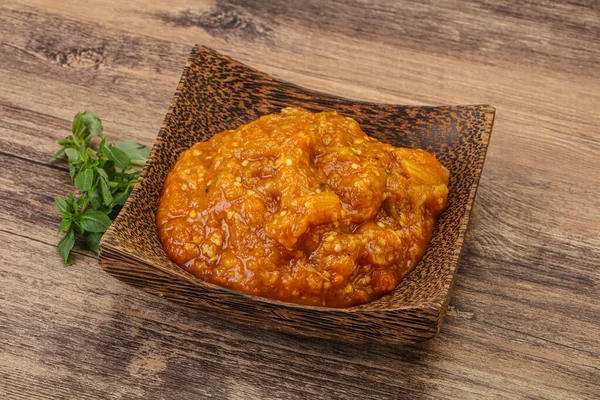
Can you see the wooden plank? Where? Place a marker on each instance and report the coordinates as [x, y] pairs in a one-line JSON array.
[[129, 337], [496, 318], [544, 34], [124, 86]]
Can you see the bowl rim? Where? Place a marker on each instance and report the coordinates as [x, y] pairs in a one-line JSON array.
[[436, 304]]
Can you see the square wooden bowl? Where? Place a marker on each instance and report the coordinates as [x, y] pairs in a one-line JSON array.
[[217, 93]]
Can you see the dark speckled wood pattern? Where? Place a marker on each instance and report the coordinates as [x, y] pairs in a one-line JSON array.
[[217, 93]]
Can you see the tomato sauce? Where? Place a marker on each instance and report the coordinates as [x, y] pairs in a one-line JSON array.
[[301, 207]]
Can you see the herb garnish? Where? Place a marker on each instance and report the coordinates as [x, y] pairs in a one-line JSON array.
[[102, 178]]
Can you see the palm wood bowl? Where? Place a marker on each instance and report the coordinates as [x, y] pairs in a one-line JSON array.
[[216, 93]]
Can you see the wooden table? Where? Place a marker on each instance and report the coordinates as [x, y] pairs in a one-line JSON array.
[[524, 320]]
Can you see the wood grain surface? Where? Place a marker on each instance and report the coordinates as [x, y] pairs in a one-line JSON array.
[[524, 319]]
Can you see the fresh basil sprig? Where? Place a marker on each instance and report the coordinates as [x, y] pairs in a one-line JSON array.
[[102, 177]]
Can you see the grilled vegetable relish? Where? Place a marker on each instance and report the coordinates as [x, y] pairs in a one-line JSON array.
[[301, 207]]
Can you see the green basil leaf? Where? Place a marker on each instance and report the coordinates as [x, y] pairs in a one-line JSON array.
[[72, 171], [85, 156], [109, 168], [92, 240], [83, 202], [134, 176], [65, 245], [119, 157], [84, 180], [103, 174], [96, 199], [92, 123], [106, 195], [120, 198], [78, 125], [62, 206], [73, 155], [138, 153], [95, 221], [77, 227], [64, 225], [66, 142], [58, 153]]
